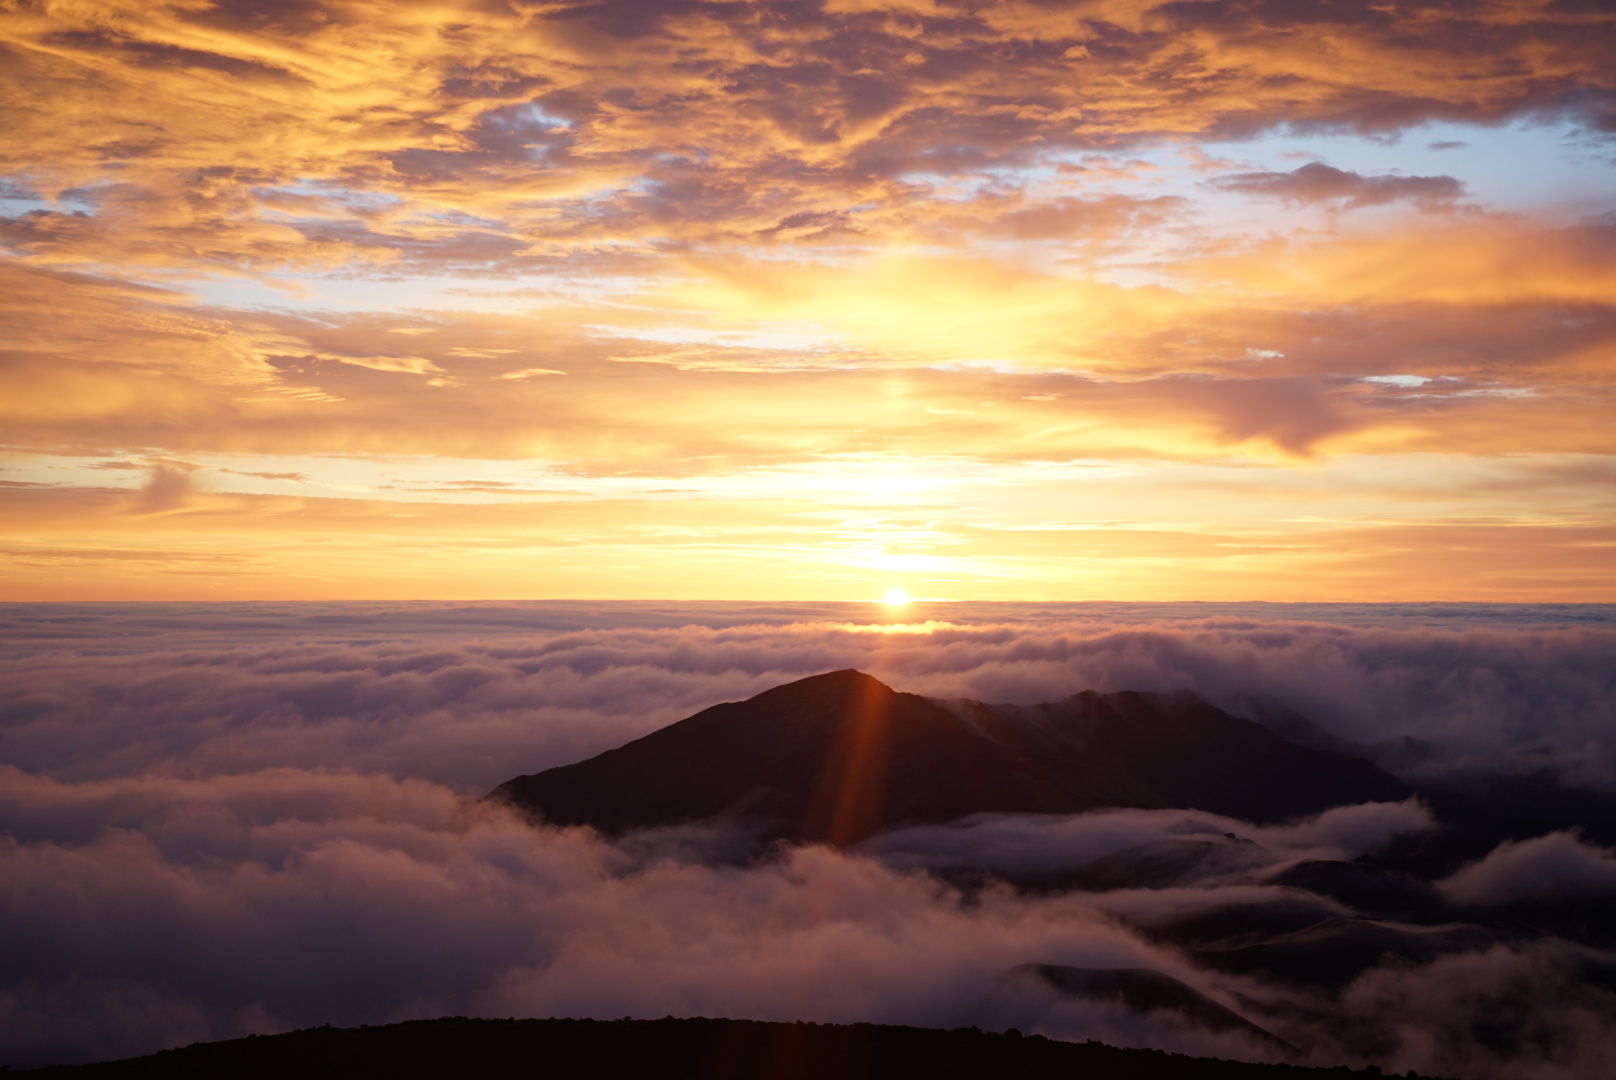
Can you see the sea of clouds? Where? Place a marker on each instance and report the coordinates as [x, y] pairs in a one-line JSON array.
[[221, 819]]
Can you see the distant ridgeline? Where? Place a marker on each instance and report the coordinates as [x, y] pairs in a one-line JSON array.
[[839, 757], [696, 1049]]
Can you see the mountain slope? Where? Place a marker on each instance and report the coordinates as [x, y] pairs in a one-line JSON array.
[[453, 1048], [838, 757]]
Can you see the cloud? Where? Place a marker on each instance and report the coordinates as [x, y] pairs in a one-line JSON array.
[[948, 235], [1026, 845], [471, 696], [1317, 182], [167, 486], [1536, 1010], [146, 912], [410, 365], [913, 297], [295, 477], [339, 138], [207, 908], [528, 373], [1092, 219], [1559, 866], [1247, 356], [217, 819]]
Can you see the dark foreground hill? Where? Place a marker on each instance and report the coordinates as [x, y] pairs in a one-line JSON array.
[[841, 756], [696, 1049]]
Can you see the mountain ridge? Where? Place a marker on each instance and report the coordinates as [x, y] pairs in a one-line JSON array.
[[696, 1048], [835, 758]]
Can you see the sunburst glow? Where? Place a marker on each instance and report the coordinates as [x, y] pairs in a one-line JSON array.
[[895, 598]]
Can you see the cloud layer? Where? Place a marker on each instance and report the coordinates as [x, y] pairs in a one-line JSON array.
[[356, 131], [219, 819], [469, 696], [1559, 866], [148, 913]]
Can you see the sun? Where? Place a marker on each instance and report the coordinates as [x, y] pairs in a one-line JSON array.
[[894, 598]]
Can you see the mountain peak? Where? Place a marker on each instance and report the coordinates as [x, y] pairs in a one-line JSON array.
[[839, 756]]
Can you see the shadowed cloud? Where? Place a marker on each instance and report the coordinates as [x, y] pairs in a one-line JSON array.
[[173, 871], [1317, 182]]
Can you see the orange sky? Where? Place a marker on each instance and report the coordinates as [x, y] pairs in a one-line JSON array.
[[763, 300]]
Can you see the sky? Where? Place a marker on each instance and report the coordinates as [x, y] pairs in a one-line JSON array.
[[1204, 300]]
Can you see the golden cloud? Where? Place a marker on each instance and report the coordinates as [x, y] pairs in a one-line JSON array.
[[767, 245]]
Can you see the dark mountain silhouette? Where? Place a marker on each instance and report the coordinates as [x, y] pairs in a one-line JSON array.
[[839, 757], [696, 1049]]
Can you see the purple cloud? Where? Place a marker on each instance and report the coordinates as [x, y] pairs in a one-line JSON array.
[[1317, 182], [218, 819]]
